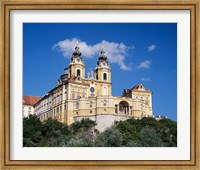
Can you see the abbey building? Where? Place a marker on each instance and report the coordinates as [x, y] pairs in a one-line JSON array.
[[76, 96]]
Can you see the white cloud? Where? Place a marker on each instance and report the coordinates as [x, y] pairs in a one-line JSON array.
[[115, 52], [151, 47], [145, 64], [145, 79]]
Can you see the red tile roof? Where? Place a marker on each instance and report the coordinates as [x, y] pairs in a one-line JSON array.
[[30, 100], [135, 87], [138, 86], [72, 78]]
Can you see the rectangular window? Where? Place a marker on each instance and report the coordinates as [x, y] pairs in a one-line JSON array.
[[116, 110], [61, 97], [131, 109], [73, 96]]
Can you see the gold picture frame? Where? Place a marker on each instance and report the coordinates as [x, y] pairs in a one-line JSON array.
[[7, 5]]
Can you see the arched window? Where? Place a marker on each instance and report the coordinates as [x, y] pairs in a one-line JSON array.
[[104, 76], [78, 72], [105, 92]]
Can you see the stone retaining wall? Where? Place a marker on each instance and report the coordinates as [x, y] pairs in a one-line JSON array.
[[103, 121]]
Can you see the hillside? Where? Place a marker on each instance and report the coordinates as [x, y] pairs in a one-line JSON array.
[[146, 132]]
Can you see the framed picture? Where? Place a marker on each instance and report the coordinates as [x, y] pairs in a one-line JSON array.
[[148, 120]]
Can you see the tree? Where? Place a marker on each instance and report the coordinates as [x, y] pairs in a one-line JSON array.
[[109, 138], [80, 140], [128, 130], [168, 132], [146, 132], [82, 125], [149, 138], [32, 131]]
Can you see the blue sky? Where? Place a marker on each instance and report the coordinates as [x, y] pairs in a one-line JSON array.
[[138, 53]]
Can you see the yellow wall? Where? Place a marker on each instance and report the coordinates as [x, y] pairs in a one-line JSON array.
[[83, 108], [73, 67]]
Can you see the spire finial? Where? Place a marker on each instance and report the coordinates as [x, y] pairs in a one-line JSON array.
[[77, 52], [76, 47], [102, 51]]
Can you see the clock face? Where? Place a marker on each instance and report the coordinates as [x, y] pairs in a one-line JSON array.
[[92, 89]]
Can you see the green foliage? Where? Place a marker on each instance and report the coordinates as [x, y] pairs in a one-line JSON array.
[[134, 143], [146, 132], [128, 129], [109, 138], [80, 140], [148, 121], [168, 132], [81, 126], [149, 138], [55, 134], [32, 131]]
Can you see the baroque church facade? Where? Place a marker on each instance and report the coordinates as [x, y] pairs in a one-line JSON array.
[[76, 97]]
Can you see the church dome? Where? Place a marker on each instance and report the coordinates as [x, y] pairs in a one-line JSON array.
[[102, 61], [65, 74], [102, 55], [77, 52], [76, 56]]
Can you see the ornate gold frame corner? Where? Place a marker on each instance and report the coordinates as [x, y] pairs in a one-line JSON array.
[[7, 5]]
